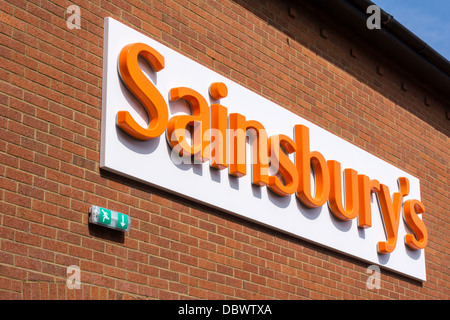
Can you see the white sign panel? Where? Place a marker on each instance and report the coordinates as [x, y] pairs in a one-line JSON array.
[[154, 162]]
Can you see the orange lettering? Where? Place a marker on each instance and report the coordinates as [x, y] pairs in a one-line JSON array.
[[209, 133], [199, 121], [366, 188], [283, 164], [411, 209], [351, 192], [303, 161], [238, 157], [390, 210], [219, 124], [218, 90], [143, 90]]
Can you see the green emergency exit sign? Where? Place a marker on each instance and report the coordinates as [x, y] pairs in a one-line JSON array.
[[109, 218]]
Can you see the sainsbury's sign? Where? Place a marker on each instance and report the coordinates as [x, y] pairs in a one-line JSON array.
[[172, 123]]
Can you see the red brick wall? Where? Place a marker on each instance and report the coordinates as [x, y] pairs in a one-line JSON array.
[[50, 106]]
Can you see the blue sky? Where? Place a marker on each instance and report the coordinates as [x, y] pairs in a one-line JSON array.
[[428, 19]]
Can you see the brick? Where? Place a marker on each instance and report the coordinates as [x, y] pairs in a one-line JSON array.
[[17, 199], [15, 248], [30, 191], [50, 106]]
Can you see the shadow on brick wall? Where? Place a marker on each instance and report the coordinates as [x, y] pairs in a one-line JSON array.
[[328, 38]]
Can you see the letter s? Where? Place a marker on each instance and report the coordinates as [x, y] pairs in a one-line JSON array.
[[410, 210], [142, 88], [284, 166]]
